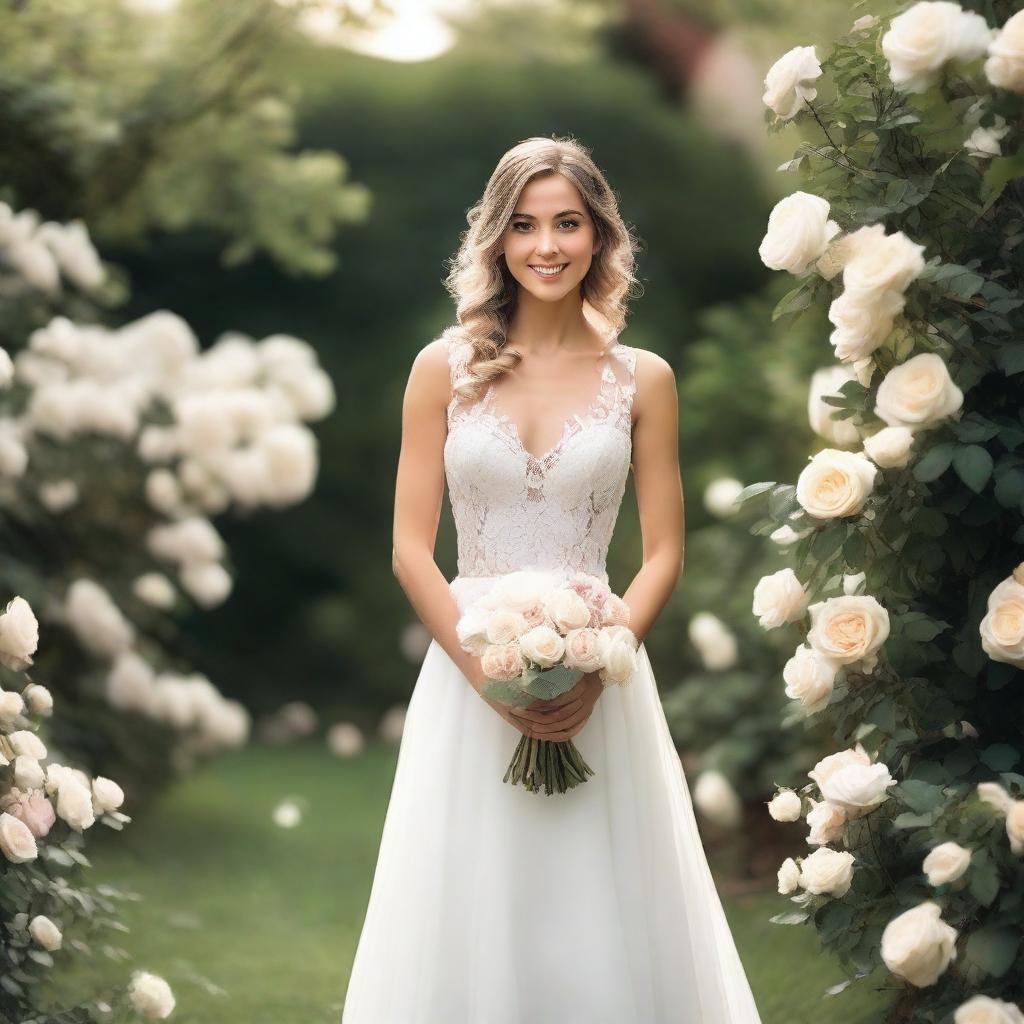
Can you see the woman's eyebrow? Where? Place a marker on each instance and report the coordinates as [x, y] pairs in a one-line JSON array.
[[530, 216]]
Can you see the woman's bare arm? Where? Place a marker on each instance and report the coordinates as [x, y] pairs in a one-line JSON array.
[[419, 493], [659, 491]]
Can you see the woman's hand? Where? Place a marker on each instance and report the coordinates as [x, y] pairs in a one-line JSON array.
[[561, 717]]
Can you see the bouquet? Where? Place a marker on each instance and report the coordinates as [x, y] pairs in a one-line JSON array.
[[537, 633]]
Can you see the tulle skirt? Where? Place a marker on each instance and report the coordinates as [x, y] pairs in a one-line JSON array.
[[494, 905]]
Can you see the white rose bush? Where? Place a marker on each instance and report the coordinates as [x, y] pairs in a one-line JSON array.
[[118, 446], [903, 533], [537, 633], [46, 809]]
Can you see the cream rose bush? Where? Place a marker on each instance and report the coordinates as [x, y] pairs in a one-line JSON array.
[[907, 539]]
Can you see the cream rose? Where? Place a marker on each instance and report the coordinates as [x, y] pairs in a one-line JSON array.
[[39, 699], [848, 629], [789, 876], [1002, 628], [17, 843], [881, 263], [862, 322], [779, 598], [505, 626], [1015, 826], [927, 35], [521, 590], [785, 806], [542, 645], [826, 822], [1005, 65], [74, 804], [827, 872], [720, 496], [471, 630], [946, 863], [26, 743], [716, 799], [618, 657], [107, 795], [567, 610], [615, 612], [713, 640], [502, 661], [810, 678], [19, 634], [918, 393], [150, 995], [45, 932], [828, 766], [826, 382], [835, 483], [986, 1010], [858, 788], [918, 945], [583, 649], [889, 447], [789, 82], [798, 233]]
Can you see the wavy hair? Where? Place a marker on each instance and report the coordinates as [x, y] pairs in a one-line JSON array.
[[480, 282]]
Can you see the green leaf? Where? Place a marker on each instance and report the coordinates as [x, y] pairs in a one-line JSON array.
[[992, 950], [1000, 757], [1011, 359], [1009, 488], [934, 462], [983, 877], [752, 490], [793, 301], [973, 465], [795, 917], [920, 797]]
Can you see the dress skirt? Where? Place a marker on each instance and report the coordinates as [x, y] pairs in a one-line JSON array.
[[494, 905]]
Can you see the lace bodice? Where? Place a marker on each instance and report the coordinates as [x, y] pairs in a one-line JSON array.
[[514, 510]]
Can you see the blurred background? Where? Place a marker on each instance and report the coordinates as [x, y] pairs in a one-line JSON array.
[[272, 190]]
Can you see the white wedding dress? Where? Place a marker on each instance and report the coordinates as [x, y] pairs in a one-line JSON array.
[[494, 905]]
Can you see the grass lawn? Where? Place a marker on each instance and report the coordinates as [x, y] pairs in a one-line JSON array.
[[251, 923]]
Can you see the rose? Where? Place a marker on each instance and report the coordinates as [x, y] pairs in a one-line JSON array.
[[986, 1010], [520, 590], [826, 382], [542, 645], [810, 678], [798, 233], [835, 483], [828, 766], [583, 649], [889, 447], [826, 822], [984, 140], [618, 658], [1005, 65], [107, 795], [45, 932], [716, 799], [28, 773], [471, 629], [39, 698], [1002, 628], [27, 744], [918, 945], [849, 628], [713, 640], [946, 863], [592, 589], [786, 535], [862, 322], [779, 598], [881, 263], [567, 610], [788, 82], [789, 876], [858, 788], [19, 634], [502, 661], [785, 806], [918, 393], [151, 995], [504, 626], [11, 705], [827, 872], [927, 35], [74, 803], [615, 612], [17, 843], [1015, 826]]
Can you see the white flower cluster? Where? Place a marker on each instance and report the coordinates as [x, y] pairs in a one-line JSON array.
[[236, 410], [38, 253]]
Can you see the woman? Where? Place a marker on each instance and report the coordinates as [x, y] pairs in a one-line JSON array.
[[492, 904]]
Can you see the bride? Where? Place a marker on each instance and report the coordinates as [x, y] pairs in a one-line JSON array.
[[492, 904]]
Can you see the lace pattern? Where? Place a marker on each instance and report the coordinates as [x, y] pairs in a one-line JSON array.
[[514, 510]]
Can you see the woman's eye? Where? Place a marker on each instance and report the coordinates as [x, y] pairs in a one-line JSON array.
[[526, 224]]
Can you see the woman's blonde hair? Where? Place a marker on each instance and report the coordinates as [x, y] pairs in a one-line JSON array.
[[479, 280]]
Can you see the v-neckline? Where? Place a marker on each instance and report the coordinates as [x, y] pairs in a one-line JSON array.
[[538, 461]]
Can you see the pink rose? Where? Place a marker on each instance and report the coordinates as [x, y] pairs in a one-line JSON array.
[[502, 661], [535, 616], [592, 589], [32, 808], [583, 650], [616, 612]]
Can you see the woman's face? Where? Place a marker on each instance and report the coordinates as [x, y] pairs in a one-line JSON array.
[[550, 227]]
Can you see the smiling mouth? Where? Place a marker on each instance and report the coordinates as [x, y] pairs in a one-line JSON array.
[[543, 271]]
